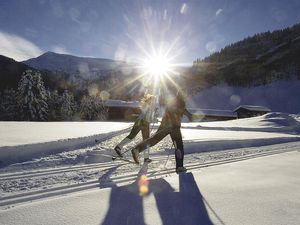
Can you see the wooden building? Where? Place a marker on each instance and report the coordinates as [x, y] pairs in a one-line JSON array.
[[245, 111], [119, 110], [212, 114]]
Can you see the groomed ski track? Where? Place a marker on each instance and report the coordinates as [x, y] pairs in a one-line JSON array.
[[125, 178]]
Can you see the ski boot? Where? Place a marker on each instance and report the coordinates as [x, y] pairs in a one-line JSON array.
[[181, 169], [147, 160], [118, 151]]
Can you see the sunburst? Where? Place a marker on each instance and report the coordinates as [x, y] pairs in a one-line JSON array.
[[157, 65], [157, 69]]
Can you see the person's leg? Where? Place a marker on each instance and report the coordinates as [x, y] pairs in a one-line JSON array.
[[134, 131], [146, 133], [178, 144], [158, 136]]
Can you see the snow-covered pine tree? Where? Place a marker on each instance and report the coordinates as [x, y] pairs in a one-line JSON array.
[[8, 105], [68, 106], [92, 108], [32, 97], [54, 104], [85, 108]]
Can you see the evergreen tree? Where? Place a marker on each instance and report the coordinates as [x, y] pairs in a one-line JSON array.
[[32, 97], [92, 108], [55, 104], [68, 106], [8, 105]]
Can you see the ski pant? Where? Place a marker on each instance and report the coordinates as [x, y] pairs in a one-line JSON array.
[[139, 125], [161, 133]]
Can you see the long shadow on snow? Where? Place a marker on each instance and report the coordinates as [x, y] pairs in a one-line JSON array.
[[176, 208]]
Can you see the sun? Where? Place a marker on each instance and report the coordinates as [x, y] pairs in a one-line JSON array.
[[157, 65], [158, 71], [156, 68]]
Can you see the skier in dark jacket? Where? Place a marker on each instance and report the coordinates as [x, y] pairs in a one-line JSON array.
[[175, 108], [141, 124]]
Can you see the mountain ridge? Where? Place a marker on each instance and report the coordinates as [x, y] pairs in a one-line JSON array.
[[71, 64]]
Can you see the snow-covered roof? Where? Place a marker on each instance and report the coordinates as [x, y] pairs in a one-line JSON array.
[[120, 103], [212, 112], [253, 108]]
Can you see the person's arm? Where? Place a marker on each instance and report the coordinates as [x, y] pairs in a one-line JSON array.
[[188, 114]]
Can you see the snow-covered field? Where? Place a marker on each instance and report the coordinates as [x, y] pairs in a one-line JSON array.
[[22, 141], [22, 133], [87, 165]]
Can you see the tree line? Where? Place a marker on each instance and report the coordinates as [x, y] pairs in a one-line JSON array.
[[253, 46], [257, 60], [32, 101]]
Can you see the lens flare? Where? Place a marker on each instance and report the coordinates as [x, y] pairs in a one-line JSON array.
[[143, 185]]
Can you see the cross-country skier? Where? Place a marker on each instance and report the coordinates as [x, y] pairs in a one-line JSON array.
[[175, 108], [148, 108]]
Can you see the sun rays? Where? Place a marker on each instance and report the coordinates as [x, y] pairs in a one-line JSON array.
[[157, 65]]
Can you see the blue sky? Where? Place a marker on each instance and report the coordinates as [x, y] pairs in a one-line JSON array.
[[127, 30]]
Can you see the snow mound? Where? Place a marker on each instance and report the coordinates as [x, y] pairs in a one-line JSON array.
[[270, 122], [281, 119], [27, 152]]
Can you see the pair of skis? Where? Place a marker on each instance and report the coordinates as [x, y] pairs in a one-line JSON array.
[[117, 157]]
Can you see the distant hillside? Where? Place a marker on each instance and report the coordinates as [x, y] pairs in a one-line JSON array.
[[85, 67], [279, 96], [79, 75], [84, 74], [256, 60], [10, 72]]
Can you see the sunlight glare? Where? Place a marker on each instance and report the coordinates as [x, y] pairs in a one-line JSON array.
[[157, 65]]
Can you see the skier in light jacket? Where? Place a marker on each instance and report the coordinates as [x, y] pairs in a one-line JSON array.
[[148, 108]]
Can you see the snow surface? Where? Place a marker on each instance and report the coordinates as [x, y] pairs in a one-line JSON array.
[[21, 133], [279, 96], [280, 122], [83, 168], [21, 141], [259, 191]]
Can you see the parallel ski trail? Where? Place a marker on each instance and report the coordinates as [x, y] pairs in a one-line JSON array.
[[12, 176], [19, 175], [126, 178]]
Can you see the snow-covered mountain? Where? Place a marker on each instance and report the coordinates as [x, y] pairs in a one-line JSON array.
[[85, 66]]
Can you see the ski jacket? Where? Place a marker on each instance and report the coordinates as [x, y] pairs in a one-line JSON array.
[[175, 109], [148, 113]]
